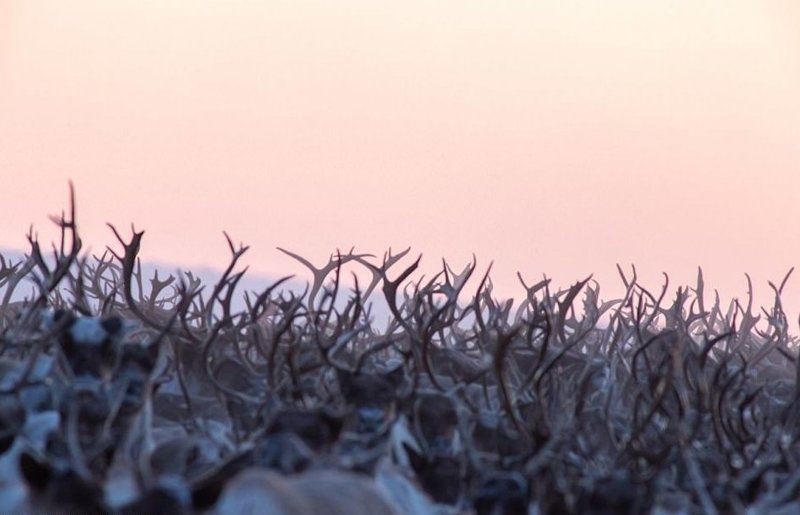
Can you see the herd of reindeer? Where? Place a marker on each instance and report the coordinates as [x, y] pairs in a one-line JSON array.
[[126, 394]]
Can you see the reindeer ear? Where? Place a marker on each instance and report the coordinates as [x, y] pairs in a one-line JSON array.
[[65, 340], [205, 495], [36, 473], [206, 491], [6, 442], [345, 381], [112, 325], [397, 376], [61, 314], [418, 462], [334, 423], [152, 352]]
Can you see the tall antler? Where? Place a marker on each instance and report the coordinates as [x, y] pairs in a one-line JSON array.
[[321, 273]]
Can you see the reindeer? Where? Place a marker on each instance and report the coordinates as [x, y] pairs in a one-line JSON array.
[[172, 401]]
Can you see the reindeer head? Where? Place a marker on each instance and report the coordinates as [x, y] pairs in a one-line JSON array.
[[319, 429], [363, 388], [91, 345], [501, 493], [60, 489], [441, 476], [436, 419]]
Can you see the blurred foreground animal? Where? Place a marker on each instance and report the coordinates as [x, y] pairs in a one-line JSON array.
[[330, 492]]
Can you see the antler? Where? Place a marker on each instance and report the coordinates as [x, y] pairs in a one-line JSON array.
[[321, 273]]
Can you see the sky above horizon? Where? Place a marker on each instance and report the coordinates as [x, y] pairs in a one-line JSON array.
[[554, 138]]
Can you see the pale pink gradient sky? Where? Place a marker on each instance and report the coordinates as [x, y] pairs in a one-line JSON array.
[[552, 137]]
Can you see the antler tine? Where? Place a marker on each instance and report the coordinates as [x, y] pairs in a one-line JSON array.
[[785, 280], [7, 269], [321, 273], [625, 280], [389, 260], [259, 304], [390, 292], [656, 302], [157, 286], [15, 278], [378, 272], [749, 294], [530, 291], [49, 279], [128, 261], [453, 289], [226, 281], [476, 299], [566, 304], [77, 288]]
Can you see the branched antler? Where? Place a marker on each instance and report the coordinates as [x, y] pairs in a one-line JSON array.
[[320, 274]]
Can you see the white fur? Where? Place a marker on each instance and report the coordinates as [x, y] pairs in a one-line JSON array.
[[88, 330], [328, 492]]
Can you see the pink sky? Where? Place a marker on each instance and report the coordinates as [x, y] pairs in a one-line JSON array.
[[551, 137]]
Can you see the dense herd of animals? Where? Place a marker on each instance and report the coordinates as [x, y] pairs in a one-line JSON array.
[[116, 397]]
